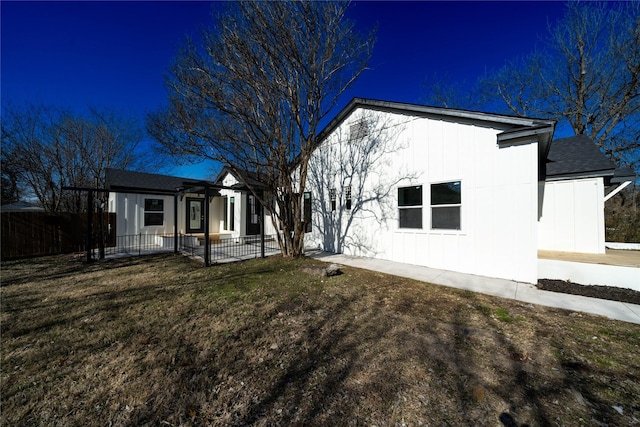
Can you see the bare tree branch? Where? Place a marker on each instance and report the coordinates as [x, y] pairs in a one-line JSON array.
[[254, 92]]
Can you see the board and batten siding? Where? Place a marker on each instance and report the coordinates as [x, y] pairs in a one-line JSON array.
[[572, 217], [499, 186], [130, 213]]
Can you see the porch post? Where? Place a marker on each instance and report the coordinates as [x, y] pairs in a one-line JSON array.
[[261, 231], [89, 225], [175, 223], [207, 242]]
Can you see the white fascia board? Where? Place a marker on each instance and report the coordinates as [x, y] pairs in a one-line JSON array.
[[540, 129]]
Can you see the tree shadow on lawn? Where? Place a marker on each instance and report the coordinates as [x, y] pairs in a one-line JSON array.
[[66, 266], [321, 353]]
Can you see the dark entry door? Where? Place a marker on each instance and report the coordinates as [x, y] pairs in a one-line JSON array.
[[253, 215], [195, 215]]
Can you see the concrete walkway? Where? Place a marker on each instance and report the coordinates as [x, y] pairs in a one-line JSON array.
[[524, 292]]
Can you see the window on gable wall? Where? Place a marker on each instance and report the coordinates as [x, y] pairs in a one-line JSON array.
[[446, 202], [332, 199], [153, 212], [410, 207]]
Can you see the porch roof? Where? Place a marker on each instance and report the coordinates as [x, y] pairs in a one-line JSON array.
[[135, 182], [150, 183]]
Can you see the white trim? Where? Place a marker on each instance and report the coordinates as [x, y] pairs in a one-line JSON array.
[[617, 190]]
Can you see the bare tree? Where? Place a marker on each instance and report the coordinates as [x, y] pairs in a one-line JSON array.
[[49, 148], [587, 74], [254, 92]]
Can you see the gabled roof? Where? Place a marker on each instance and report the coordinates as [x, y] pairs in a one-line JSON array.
[[509, 122], [514, 129], [577, 157], [143, 182], [251, 178]]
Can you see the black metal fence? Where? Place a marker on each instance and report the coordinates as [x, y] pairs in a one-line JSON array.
[[223, 249]]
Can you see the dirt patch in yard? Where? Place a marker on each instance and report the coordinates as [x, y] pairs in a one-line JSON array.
[[603, 292]]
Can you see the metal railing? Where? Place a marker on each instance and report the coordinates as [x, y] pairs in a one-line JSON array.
[[223, 249], [228, 249], [140, 244]]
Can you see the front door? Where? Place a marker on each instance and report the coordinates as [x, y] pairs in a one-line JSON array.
[[253, 215], [195, 215]]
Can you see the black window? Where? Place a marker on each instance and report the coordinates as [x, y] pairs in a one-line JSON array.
[[232, 210], [307, 212], [410, 207], [332, 199], [153, 212], [446, 203], [347, 197], [225, 212]]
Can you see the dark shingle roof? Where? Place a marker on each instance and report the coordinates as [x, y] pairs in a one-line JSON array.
[[130, 181], [577, 156]]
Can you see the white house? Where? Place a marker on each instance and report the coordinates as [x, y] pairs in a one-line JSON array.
[[153, 204], [450, 189]]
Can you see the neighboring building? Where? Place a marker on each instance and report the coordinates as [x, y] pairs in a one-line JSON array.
[[452, 189]]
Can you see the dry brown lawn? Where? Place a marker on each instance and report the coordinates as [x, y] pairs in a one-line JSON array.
[[163, 341]]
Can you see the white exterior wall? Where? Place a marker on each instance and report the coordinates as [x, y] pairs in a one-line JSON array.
[[498, 236], [573, 216], [129, 209]]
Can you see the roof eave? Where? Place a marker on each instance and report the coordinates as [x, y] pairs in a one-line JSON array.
[[581, 175], [417, 109]]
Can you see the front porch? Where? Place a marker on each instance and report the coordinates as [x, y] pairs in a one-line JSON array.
[[619, 268]]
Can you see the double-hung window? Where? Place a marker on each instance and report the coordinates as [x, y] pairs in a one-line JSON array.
[[153, 212], [410, 207], [446, 203]]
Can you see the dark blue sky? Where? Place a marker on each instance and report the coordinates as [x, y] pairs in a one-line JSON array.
[[114, 54]]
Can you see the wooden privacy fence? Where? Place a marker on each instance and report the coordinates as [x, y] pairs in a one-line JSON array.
[[31, 234]]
